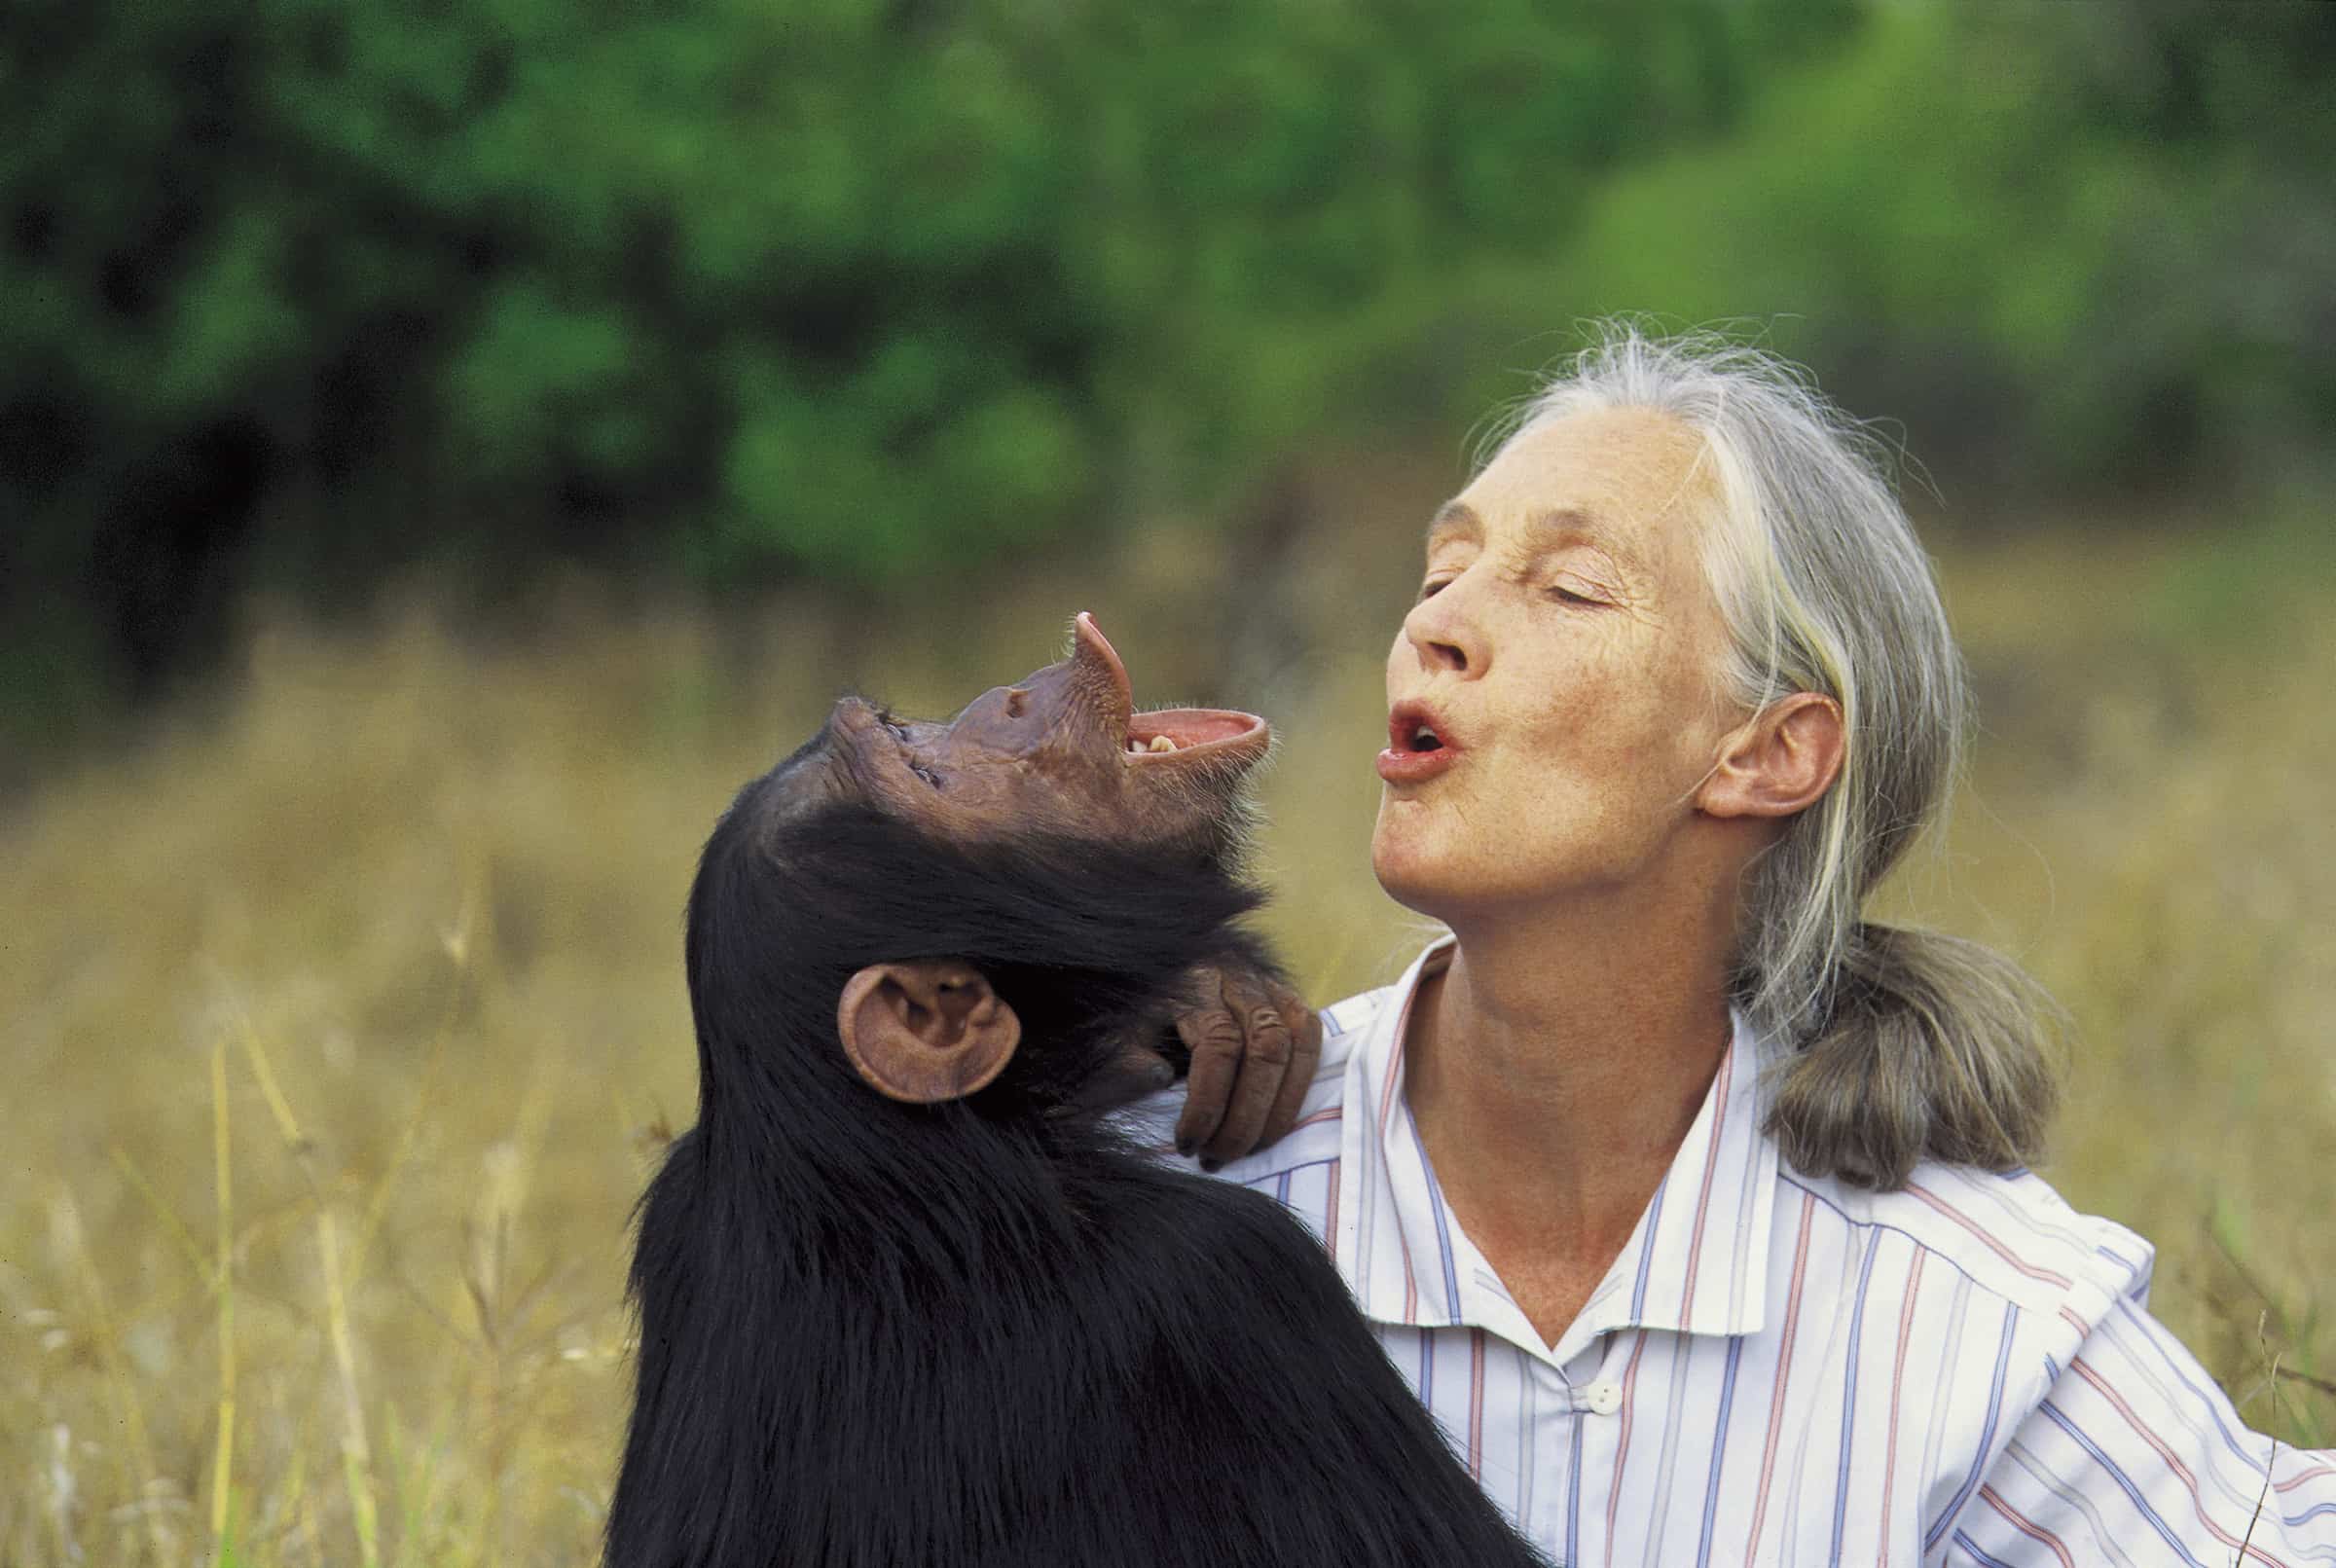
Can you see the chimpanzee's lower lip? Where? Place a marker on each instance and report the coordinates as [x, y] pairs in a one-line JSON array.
[[1192, 730]]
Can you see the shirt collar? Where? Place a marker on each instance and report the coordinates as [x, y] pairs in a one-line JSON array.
[[1695, 1263]]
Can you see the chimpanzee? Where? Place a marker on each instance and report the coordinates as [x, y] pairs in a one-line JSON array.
[[906, 1296]]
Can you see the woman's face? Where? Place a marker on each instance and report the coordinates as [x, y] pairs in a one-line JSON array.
[[1563, 653]]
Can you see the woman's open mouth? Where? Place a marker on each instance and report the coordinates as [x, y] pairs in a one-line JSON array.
[[1416, 748]]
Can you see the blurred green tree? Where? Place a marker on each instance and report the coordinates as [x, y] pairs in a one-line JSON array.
[[2075, 247], [295, 291], [302, 290]]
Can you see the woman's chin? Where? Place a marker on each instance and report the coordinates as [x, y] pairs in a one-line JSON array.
[[1422, 883], [1453, 883]]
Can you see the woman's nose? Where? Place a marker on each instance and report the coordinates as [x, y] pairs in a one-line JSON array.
[[1444, 635]]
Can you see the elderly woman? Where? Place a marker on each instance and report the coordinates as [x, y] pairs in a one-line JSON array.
[[1693, 1203]]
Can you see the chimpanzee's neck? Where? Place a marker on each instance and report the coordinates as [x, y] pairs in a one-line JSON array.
[[781, 1269], [1090, 943], [794, 1118]]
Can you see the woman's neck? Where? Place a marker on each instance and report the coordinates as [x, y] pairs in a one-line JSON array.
[[1554, 1069]]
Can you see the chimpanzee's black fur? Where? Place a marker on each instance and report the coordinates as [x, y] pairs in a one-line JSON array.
[[885, 1336]]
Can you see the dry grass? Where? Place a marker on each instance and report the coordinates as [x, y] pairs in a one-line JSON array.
[[342, 1015]]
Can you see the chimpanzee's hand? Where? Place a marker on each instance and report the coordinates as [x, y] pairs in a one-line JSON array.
[[1254, 1044]]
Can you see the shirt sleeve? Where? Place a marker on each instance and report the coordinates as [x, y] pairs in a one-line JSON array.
[[2136, 1458]]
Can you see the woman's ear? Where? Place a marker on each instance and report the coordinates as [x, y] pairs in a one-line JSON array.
[[1779, 762], [926, 1031]]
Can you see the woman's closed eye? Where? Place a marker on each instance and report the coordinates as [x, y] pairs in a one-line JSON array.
[[1571, 591]]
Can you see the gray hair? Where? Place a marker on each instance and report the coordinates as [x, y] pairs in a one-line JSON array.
[[1903, 1043]]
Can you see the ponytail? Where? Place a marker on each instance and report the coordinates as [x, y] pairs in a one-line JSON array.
[[1933, 1047]]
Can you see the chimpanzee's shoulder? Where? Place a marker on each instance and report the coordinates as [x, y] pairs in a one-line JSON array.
[[1267, 1394], [1210, 1260], [1167, 1221]]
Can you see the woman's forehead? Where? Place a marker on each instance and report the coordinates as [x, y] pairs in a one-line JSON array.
[[1618, 477]]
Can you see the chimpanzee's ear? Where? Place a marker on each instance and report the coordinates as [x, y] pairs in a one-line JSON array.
[[926, 1031]]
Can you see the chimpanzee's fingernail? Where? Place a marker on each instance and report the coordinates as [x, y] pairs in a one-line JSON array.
[[1211, 1164]]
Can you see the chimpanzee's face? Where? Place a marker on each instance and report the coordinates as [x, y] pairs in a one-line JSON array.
[[1061, 751]]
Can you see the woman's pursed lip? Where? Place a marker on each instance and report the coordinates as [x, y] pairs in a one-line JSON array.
[[1407, 719], [1403, 762], [1412, 767]]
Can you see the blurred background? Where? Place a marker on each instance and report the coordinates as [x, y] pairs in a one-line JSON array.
[[444, 449]]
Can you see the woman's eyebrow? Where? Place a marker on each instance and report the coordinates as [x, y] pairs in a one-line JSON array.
[[1455, 520], [1553, 524], [1562, 526], [1550, 529]]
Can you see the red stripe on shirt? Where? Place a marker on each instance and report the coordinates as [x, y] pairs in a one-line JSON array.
[[2027, 1528], [1476, 1404], [1711, 1167], [1994, 1246], [1622, 1447], [2293, 1481], [1889, 1461], [2196, 1504], [1329, 1218], [1785, 1367]]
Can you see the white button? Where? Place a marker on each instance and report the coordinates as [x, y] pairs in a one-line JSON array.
[[1605, 1396]]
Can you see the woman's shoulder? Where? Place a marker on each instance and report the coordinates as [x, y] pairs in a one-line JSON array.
[[1348, 1021], [2010, 1234]]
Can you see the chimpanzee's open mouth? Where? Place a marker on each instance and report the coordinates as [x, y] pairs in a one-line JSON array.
[[1182, 729], [1169, 732]]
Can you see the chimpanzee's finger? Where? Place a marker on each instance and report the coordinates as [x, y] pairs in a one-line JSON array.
[[1213, 1036], [1306, 1054], [1265, 1055]]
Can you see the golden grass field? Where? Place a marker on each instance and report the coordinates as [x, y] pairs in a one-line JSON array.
[[343, 1012]]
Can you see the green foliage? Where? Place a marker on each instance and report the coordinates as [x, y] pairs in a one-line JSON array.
[[297, 290], [2081, 247], [839, 288]]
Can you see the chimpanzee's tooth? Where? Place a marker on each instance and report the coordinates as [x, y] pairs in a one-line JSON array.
[[1161, 743]]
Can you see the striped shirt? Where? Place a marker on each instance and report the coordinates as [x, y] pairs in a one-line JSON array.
[[1782, 1369]]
